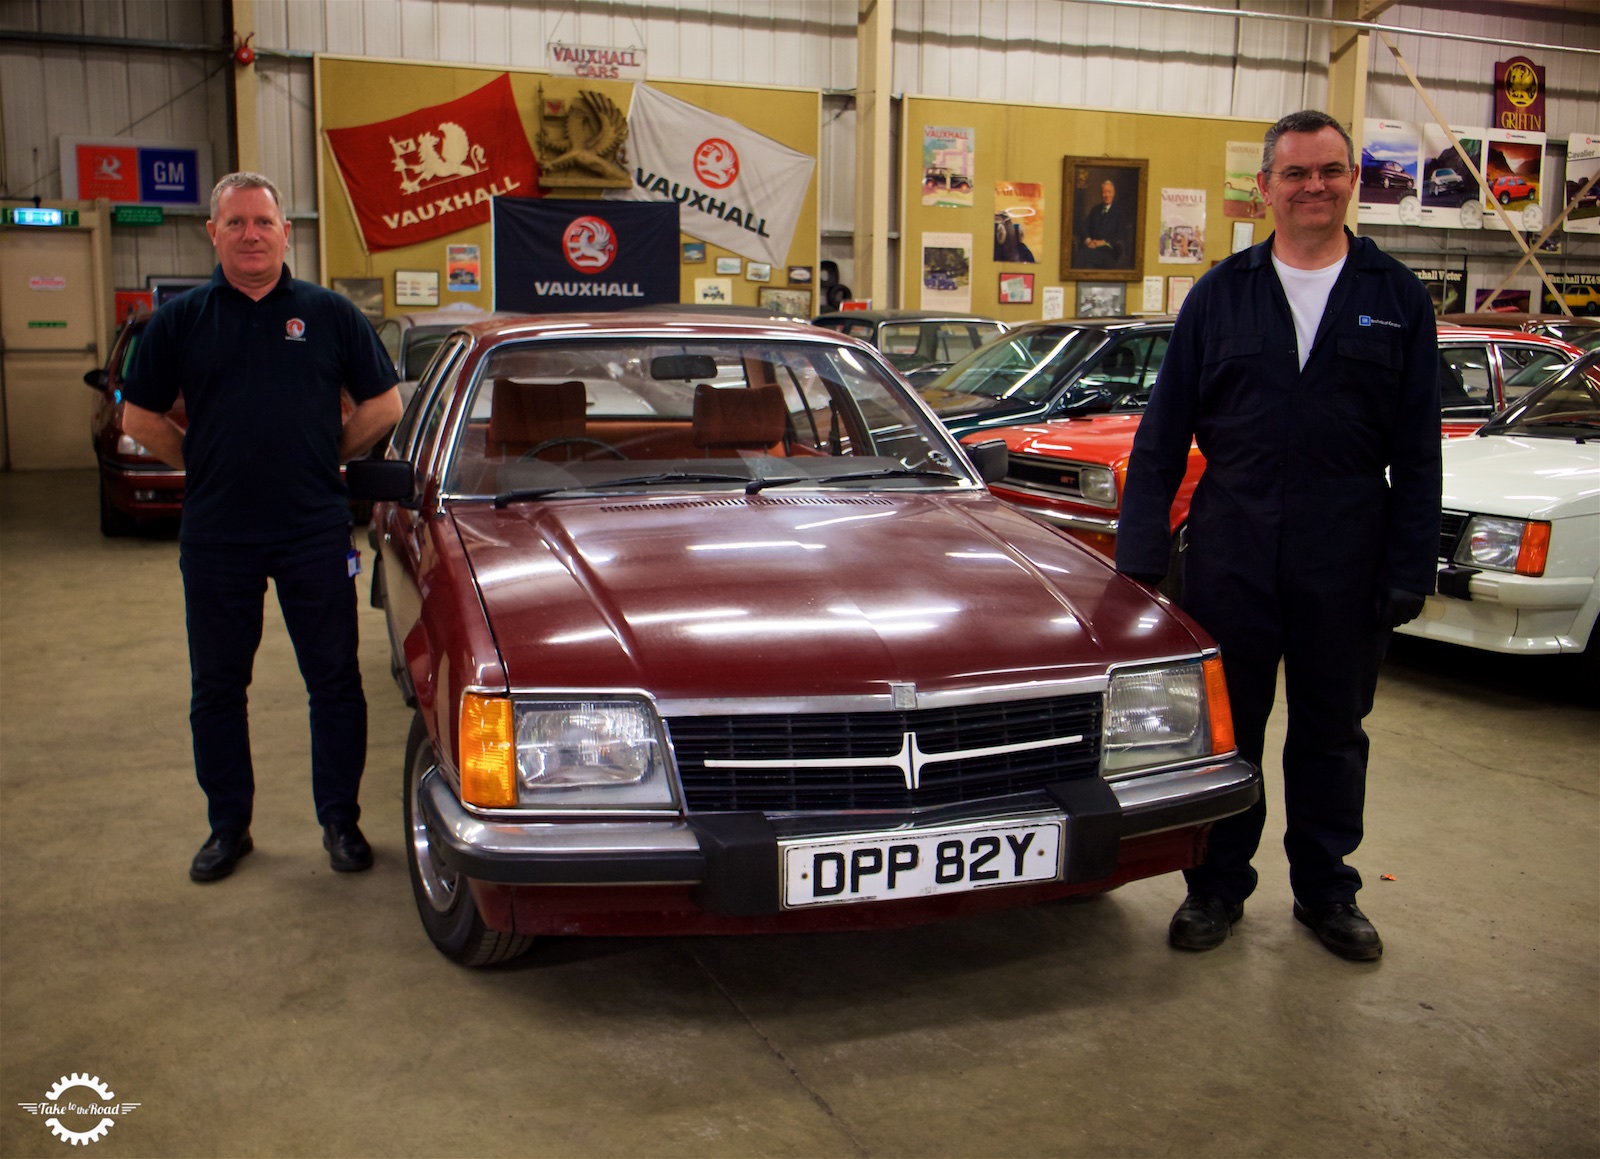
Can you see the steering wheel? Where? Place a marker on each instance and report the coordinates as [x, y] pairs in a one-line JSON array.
[[533, 452]]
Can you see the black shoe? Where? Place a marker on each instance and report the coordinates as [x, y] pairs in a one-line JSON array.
[[348, 851], [219, 855], [1343, 929], [1202, 922]]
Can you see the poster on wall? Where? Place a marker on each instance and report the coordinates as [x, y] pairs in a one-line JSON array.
[[1583, 162], [947, 271], [463, 270], [558, 256], [738, 188], [1390, 161], [948, 165], [1241, 197], [1511, 300], [1451, 197], [1514, 168], [1581, 290], [1183, 226], [1447, 287], [1018, 221], [126, 171], [1053, 303], [433, 171]]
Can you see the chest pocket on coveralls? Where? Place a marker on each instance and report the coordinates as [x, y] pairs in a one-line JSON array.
[[1226, 381], [1369, 372]]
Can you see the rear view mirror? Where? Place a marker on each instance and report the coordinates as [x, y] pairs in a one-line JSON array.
[[673, 367], [380, 480]]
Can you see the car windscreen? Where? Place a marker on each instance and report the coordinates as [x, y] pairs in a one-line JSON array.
[[1567, 406], [1022, 366], [565, 417]]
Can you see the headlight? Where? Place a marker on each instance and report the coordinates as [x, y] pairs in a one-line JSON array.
[[127, 446], [604, 754], [1166, 715], [1097, 484], [1517, 545]]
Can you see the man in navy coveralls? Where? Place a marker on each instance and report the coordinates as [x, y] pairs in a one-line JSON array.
[[260, 359], [1306, 369]]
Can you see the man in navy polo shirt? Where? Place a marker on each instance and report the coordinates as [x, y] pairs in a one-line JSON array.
[[260, 360]]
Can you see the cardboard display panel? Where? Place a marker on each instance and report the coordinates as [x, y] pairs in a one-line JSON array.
[[354, 92], [1015, 188]]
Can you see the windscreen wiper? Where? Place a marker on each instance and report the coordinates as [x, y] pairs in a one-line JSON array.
[[756, 485], [530, 493]]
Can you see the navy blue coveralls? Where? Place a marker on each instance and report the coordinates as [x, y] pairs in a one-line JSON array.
[[261, 386], [1295, 534]]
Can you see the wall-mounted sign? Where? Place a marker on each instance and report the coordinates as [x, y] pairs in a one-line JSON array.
[[134, 172], [37, 282], [1519, 94], [596, 61], [42, 215], [137, 215]]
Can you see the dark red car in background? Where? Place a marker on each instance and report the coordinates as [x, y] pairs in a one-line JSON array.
[[137, 490]]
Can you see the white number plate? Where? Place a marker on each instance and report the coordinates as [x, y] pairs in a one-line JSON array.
[[916, 863]]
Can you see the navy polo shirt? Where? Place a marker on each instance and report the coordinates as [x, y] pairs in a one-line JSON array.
[[260, 382]]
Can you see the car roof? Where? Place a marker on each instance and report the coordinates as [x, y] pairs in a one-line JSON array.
[[902, 316], [1107, 324], [455, 312], [1463, 334], [662, 322], [1512, 320]]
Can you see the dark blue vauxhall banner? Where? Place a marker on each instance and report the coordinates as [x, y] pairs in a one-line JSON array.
[[559, 256]]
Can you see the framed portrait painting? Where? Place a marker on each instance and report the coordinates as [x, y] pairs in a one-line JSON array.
[[1102, 218]]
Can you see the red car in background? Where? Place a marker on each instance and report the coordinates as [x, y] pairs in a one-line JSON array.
[[1070, 472], [137, 490]]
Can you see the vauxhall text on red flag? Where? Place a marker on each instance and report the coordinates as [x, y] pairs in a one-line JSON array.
[[432, 172]]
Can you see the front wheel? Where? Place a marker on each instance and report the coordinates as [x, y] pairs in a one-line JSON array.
[[444, 902]]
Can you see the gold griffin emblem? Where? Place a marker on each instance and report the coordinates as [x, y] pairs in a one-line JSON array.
[[581, 143]]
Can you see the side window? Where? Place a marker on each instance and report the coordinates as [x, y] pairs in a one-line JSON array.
[[1155, 355], [428, 407], [899, 342], [956, 340], [1465, 387], [1524, 367], [389, 335], [1121, 367]]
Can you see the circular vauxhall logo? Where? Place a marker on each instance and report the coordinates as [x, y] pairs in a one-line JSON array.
[[716, 163], [295, 327], [589, 245]]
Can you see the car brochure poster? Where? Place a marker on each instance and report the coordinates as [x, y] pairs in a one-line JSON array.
[[947, 166], [1447, 287], [1510, 300], [1451, 196], [462, 268], [1241, 197], [1514, 168], [1583, 161], [1582, 292], [947, 271], [1183, 226], [1018, 221], [1390, 159], [1053, 302]]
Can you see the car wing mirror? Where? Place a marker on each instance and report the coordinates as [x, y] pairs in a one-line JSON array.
[[991, 458], [96, 379], [1095, 399], [380, 480]]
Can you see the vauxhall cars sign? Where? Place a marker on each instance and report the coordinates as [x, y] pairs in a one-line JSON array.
[[554, 256], [737, 189], [434, 171]]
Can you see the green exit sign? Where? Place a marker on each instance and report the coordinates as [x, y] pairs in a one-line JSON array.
[[29, 215], [137, 215]]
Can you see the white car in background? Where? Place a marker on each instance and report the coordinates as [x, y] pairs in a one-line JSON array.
[[1519, 549]]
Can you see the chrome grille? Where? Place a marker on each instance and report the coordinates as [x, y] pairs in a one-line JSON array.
[[830, 736], [1041, 474]]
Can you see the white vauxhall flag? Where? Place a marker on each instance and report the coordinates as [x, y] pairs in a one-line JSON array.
[[734, 187]]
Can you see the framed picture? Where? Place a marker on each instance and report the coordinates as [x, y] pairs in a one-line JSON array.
[[366, 293], [1102, 219], [789, 303], [729, 265], [694, 253], [1177, 290], [758, 272], [799, 275], [164, 289], [1102, 299], [416, 287], [1016, 289]]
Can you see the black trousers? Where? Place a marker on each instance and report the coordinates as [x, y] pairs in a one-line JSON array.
[[1327, 639], [224, 588]]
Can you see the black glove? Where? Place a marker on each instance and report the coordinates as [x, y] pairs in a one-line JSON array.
[[1396, 607], [1148, 579]]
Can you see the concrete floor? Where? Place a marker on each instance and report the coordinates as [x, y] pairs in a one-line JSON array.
[[293, 1011]]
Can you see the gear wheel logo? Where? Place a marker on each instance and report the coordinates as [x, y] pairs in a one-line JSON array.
[[60, 1104]]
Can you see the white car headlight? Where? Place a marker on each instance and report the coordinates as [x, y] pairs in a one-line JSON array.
[[127, 446], [602, 754], [1498, 544], [1097, 484], [1165, 715]]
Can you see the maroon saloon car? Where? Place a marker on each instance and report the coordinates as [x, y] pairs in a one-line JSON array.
[[711, 627]]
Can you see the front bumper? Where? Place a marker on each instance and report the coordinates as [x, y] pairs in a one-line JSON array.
[[1514, 614], [143, 492], [731, 860]]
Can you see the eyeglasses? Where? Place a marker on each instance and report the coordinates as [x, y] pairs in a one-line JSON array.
[[1299, 175]]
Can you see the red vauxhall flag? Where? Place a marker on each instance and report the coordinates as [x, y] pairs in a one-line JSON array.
[[432, 172]]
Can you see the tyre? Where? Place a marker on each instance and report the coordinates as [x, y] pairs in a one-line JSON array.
[[444, 902], [114, 524], [1505, 198]]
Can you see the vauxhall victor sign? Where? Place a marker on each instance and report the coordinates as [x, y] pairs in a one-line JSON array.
[[434, 171]]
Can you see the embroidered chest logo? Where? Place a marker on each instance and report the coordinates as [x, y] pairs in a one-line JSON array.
[[295, 330]]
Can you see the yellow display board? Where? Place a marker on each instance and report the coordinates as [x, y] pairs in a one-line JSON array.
[[1016, 172], [359, 91]]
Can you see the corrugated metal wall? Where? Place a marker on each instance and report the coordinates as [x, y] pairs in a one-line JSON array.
[[1057, 52]]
